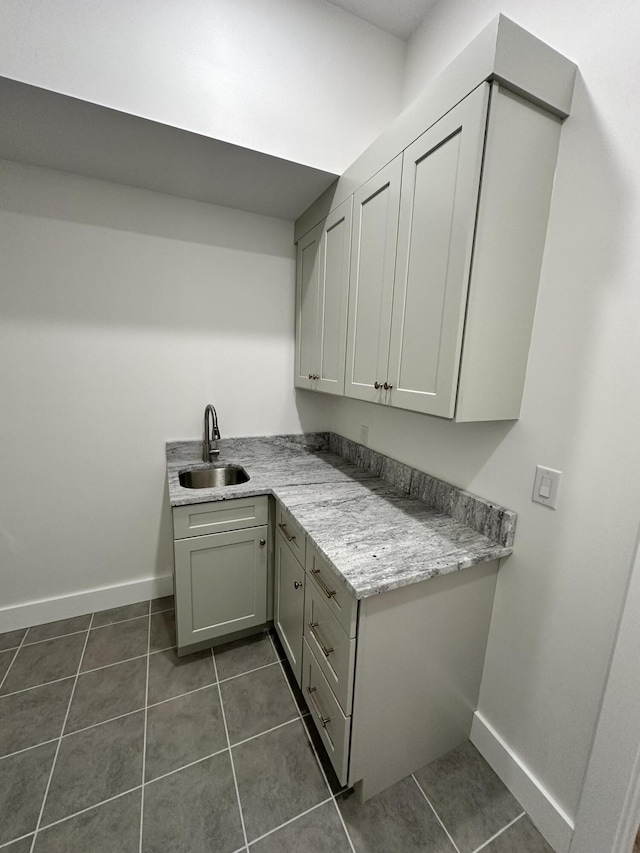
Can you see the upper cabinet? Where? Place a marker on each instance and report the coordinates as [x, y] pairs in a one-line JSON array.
[[321, 302], [373, 251], [446, 245]]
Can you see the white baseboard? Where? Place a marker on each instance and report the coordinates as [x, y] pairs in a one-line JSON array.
[[79, 603], [550, 819]]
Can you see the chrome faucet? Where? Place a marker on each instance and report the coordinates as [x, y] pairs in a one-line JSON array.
[[211, 434]]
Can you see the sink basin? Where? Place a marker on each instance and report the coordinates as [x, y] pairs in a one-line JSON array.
[[209, 478]]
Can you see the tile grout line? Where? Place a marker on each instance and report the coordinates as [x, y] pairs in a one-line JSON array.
[[55, 757], [266, 732], [6, 844], [437, 816], [144, 737], [291, 820], [88, 808], [13, 659], [27, 748], [486, 843], [313, 748], [186, 766], [233, 768], [248, 672], [82, 630]]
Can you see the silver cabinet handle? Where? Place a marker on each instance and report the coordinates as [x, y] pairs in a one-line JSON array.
[[325, 651], [323, 720], [328, 592], [283, 527], [297, 584], [377, 385], [387, 386], [263, 542]]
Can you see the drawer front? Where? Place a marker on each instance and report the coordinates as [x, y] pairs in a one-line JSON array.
[[294, 534], [333, 650], [332, 725], [219, 516], [338, 598]]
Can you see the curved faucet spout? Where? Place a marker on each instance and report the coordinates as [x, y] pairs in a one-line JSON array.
[[210, 435]]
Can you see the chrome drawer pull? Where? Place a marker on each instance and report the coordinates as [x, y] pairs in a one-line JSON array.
[[325, 651], [328, 592], [283, 527], [323, 720]]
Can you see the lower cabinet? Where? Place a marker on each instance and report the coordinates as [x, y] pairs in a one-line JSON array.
[[289, 603], [220, 579]]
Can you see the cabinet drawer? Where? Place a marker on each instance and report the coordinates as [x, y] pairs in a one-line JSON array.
[[333, 650], [334, 590], [217, 516], [292, 532], [332, 725]]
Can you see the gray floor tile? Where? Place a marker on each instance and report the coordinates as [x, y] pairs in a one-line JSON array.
[[94, 765], [170, 675], [158, 604], [319, 831], [12, 639], [116, 643], [244, 655], [278, 777], [256, 702], [523, 837], [113, 827], [469, 798], [398, 819], [5, 662], [195, 809], [23, 781], [33, 716], [44, 662], [108, 693], [183, 730], [119, 614], [22, 846], [163, 631], [57, 629]]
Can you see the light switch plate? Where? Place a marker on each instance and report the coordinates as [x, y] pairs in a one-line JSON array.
[[546, 485], [364, 435]]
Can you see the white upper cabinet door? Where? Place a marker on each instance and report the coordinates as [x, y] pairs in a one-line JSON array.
[[335, 251], [440, 185], [373, 256], [307, 308]]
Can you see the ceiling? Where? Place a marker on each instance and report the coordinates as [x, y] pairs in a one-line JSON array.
[[398, 17]]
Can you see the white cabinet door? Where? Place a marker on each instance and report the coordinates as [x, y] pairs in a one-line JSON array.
[[331, 335], [373, 255], [307, 308], [220, 584], [289, 604], [440, 185]]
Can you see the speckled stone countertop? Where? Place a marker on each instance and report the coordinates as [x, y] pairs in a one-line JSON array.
[[377, 537]]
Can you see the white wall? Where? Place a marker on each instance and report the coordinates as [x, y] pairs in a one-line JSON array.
[[279, 76], [558, 596], [122, 313]]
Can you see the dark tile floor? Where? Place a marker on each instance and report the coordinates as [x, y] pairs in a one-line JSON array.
[[110, 742]]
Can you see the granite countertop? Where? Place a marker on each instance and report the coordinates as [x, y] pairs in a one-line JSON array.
[[375, 536]]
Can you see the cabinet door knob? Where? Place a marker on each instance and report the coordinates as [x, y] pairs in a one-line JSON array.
[[387, 386], [377, 385], [311, 376], [263, 542], [297, 584]]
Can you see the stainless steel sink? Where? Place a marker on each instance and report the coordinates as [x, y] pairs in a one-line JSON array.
[[216, 475]]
